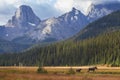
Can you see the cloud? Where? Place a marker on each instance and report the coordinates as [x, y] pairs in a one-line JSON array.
[[44, 8], [45, 11], [6, 10], [82, 5], [64, 5]]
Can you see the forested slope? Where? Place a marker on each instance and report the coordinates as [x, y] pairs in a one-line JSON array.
[[104, 49], [105, 24]]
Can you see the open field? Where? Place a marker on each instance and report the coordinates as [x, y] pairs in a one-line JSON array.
[[59, 73]]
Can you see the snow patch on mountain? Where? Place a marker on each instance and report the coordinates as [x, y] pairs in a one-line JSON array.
[[75, 17], [32, 24], [76, 12]]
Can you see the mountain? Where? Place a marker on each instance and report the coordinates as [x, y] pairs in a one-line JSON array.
[[60, 28], [102, 50], [96, 11], [100, 45], [10, 47], [24, 17], [26, 28], [106, 24], [23, 21], [97, 43], [66, 25]]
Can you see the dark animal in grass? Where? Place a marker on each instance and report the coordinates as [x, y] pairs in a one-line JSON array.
[[92, 69], [78, 70]]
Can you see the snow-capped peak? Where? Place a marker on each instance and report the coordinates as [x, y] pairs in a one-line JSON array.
[[92, 6], [75, 11], [32, 24]]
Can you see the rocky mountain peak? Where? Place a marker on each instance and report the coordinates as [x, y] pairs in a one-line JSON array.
[[24, 16], [23, 21], [75, 11], [28, 27], [72, 16], [23, 11], [96, 11]]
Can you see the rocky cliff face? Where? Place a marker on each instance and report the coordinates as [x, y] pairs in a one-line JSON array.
[[23, 21], [24, 17], [60, 28], [96, 11]]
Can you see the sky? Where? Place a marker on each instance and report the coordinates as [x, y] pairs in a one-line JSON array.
[[44, 8]]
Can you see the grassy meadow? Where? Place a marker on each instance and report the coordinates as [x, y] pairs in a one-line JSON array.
[[59, 73]]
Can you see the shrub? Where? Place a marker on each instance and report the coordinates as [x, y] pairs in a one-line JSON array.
[[41, 70], [114, 65], [71, 71]]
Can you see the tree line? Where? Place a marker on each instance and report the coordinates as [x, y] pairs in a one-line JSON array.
[[104, 49]]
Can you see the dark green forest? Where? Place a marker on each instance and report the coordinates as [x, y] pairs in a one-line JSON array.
[[104, 49]]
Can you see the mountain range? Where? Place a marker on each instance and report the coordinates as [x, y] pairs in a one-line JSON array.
[[26, 28], [97, 44]]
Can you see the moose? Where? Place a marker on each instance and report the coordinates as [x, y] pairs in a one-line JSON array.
[[92, 69], [78, 70]]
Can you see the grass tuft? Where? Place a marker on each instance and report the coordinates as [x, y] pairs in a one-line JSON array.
[[41, 70]]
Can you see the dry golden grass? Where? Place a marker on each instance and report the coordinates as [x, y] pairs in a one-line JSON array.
[[58, 73]]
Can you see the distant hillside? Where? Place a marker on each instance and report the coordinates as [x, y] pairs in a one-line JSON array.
[[103, 49], [108, 23], [10, 47]]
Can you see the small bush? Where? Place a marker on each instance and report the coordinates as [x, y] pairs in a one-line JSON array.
[[71, 71], [41, 70], [114, 65]]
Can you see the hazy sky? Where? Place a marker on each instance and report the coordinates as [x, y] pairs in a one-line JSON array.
[[44, 8]]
